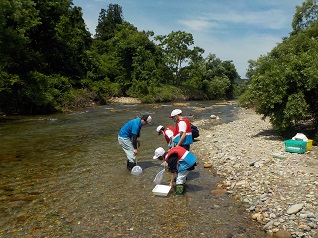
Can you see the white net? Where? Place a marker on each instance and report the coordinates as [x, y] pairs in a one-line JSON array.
[[159, 177], [136, 170]]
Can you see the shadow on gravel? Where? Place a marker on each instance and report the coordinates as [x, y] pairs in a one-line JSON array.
[[269, 135]]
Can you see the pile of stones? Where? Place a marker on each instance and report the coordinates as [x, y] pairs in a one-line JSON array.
[[279, 189]]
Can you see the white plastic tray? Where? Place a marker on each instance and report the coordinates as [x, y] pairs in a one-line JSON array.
[[161, 190]]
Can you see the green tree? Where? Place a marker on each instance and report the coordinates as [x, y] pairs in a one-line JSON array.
[[218, 78], [108, 21], [72, 42], [128, 59], [39, 39], [305, 16], [17, 19], [61, 39], [285, 82], [148, 64], [177, 52], [192, 73]]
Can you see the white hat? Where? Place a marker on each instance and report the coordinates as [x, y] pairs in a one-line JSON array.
[[149, 120], [175, 112], [159, 152], [159, 128]]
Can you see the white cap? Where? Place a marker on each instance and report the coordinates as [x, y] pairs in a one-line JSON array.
[[149, 120], [175, 112], [159, 128], [159, 152]]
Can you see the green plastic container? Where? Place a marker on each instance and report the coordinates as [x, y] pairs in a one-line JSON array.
[[295, 146]]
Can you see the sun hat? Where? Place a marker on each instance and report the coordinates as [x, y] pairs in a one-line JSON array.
[[159, 128], [159, 152], [175, 112]]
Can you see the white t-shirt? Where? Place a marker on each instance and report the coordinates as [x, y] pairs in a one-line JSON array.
[[182, 126], [169, 133]]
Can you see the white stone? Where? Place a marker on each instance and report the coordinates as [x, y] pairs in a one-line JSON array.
[[295, 208]]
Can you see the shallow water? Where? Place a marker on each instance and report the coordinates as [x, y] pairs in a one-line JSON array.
[[64, 175]]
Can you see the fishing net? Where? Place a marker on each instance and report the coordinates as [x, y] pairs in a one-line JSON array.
[[136, 170], [159, 177]]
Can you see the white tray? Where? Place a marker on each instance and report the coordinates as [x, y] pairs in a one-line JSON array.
[[161, 190]]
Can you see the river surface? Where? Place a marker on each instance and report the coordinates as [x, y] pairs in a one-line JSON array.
[[64, 175]]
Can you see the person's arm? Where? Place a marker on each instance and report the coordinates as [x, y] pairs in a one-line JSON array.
[[169, 134], [173, 176], [135, 143], [173, 166], [182, 138]]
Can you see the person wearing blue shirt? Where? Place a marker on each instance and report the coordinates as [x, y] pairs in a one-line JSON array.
[[127, 138]]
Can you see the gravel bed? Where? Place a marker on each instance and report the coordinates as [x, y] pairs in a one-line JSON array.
[[279, 189]]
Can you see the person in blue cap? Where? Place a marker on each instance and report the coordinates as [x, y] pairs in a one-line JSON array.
[[127, 138]]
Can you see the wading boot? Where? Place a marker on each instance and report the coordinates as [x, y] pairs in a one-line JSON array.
[[179, 189], [130, 165]]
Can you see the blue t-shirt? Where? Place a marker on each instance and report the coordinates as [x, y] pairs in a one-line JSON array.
[[130, 128]]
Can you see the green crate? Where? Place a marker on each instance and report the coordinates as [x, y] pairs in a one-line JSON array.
[[295, 146]]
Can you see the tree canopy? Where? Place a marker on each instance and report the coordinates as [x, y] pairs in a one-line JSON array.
[[284, 83], [49, 61]]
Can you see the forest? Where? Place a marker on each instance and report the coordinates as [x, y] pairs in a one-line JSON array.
[[50, 62]]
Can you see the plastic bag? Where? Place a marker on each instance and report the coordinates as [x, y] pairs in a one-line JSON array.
[[300, 136]]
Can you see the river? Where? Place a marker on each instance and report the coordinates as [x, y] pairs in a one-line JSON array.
[[64, 175]]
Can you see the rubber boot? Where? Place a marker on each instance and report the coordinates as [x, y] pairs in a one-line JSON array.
[[130, 165], [179, 189]]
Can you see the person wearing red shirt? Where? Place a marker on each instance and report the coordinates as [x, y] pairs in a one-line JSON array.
[[183, 133], [180, 161], [167, 132]]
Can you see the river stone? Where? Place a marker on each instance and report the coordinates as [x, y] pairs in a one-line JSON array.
[[219, 191], [207, 165], [295, 208], [282, 234], [261, 161]]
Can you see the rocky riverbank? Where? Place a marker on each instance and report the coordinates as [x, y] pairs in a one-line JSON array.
[[124, 100], [279, 189]]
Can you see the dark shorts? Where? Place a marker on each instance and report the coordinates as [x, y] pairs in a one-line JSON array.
[[187, 147]]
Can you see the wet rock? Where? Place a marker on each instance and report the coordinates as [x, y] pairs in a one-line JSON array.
[[214, 117], [219, 191], [207, 165], [125, 100], [282, 234]]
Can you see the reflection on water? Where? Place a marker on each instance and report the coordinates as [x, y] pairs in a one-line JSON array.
[[64, 175]]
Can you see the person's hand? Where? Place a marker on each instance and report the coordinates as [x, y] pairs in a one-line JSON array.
[[135, 151]]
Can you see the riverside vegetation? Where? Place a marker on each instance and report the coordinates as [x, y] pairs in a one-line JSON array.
[[280, 192]]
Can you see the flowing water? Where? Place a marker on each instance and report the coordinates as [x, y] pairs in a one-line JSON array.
[[64, 175]]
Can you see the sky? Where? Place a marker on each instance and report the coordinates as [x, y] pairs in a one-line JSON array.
[[237, 30]]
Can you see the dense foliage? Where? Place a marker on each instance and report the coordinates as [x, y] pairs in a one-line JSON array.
[[49, 61], [284, 83]]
